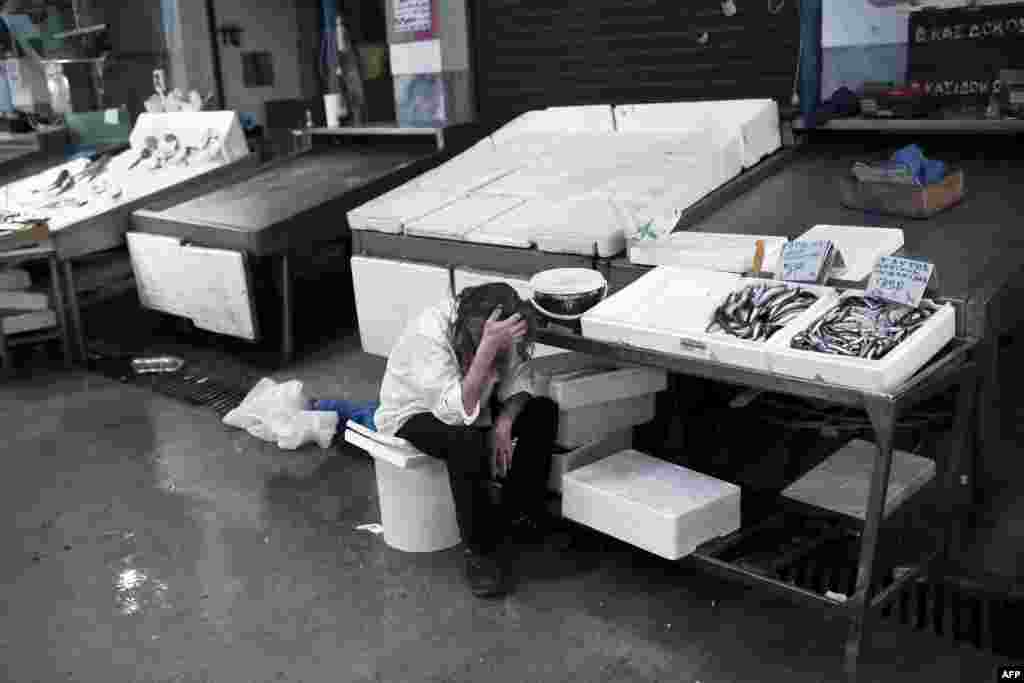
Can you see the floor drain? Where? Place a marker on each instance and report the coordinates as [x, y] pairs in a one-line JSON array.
[[189, 385]]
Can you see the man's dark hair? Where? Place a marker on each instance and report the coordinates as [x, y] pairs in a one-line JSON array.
[[472, 308]]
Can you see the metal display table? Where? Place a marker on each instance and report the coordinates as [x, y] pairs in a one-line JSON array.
[[295, 202], [976, 246], [952, 368]]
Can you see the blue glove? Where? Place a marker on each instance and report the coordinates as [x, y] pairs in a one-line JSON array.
[[926, 171], [360, 413]]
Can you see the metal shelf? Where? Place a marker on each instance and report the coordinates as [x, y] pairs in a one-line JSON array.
[[920, 126]]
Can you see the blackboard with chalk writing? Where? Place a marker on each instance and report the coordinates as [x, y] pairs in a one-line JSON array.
[[956, 54]]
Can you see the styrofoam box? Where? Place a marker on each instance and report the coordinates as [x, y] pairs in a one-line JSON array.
[[655, 505], [669, 309], [471, 278], [557, 119], [392, 210], [470, 170], [715, 251], [860, 247], [877, 376], [842, 482], [459, 218], [390, 293], [575, 380], [586, 423], [563, 463], [576, 226], [755, 122]]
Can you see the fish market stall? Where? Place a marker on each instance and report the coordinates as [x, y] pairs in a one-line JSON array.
[[295, 204], [797, 340], [555, 187], [975, 246], [86, 203]]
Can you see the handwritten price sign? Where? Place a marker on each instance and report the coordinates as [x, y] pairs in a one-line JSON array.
[[900, 280], [803, 260], [413, 16]]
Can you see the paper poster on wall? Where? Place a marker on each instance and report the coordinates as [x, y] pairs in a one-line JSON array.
[[413, 16]]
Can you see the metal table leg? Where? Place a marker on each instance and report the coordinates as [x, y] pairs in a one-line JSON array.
[[883, 419], [958, 480], [76, 313], [57, 291], [285, 285]]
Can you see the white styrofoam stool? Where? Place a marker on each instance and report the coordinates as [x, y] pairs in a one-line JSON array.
[[417, 510]]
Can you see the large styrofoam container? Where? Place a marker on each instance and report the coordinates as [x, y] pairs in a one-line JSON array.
[[459, 218], [669, 309], [392, 210], [563, 463], [471, 278], [576, 380], [656, 505], [860, 247], [389, 294], [841, 483], [878, 376]]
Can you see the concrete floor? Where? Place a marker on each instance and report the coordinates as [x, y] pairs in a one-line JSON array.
[[144, 541]]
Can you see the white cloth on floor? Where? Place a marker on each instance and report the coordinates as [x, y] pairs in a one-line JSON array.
[[277, 413]]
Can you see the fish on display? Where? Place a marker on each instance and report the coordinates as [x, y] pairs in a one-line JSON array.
[[862, 327], [758, 311]]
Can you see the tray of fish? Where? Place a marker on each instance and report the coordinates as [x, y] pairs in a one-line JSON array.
[[707, 314], [866, 343]]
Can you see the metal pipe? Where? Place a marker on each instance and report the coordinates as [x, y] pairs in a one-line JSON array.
[[218, 74]]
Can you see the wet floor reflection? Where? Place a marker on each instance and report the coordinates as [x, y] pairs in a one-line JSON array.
[[136, 590]]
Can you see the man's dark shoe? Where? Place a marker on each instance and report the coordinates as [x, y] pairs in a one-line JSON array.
[[486, 579]]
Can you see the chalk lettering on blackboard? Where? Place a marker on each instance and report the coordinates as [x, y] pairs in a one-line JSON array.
[[999, 28]]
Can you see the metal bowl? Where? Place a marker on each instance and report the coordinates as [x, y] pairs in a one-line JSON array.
[[567, 293]]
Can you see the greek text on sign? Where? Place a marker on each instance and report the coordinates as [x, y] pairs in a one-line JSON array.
[[413, 16], [900, 280], [805, 260], [1012, 27]]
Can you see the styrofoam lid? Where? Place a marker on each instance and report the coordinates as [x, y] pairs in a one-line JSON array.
[[567, 281]]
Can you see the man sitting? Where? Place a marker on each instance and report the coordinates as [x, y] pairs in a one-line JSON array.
[[453, 367]]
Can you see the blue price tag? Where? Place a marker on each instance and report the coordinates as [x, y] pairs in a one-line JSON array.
[[900, 280], [804, 260]]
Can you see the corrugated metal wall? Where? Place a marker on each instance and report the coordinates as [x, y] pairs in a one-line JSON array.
[[533, 53]]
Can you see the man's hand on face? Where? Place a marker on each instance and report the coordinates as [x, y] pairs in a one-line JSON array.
[[501, 336]]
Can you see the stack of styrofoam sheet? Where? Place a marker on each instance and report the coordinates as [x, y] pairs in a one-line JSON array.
[[576, 226], [754, 122], [389, 294], [669, 309], [471, 278], [391, 211], [841, 483], [460, 217], [656, 505], [596, 398]]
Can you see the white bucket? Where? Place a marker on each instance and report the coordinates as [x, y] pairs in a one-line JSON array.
[[334, 108], [416, 507]]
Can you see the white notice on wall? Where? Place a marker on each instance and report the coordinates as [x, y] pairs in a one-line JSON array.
[[412, 16]]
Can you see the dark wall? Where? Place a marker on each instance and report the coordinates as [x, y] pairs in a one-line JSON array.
[[534, 53]]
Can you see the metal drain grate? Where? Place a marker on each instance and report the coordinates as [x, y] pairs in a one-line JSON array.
[[189, 385], [198, 389], [954, 609]]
